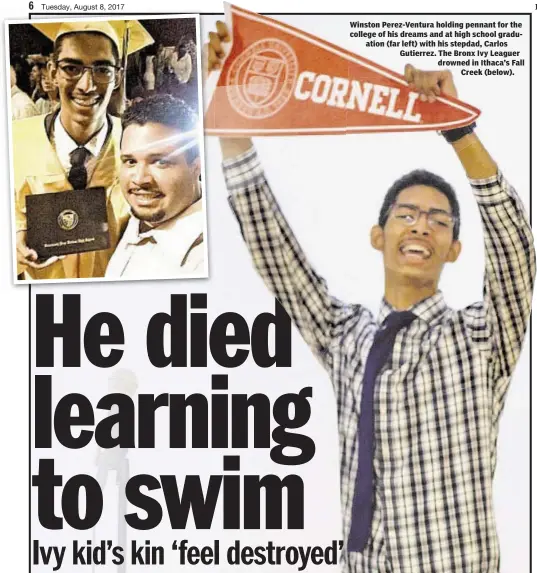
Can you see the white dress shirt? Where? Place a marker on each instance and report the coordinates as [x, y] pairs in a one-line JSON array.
[[174, 249], [65, 145]]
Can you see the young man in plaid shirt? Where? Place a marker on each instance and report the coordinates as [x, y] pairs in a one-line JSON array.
[[438, 395]]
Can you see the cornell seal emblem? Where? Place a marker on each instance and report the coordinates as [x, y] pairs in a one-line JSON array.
[[262, 79]]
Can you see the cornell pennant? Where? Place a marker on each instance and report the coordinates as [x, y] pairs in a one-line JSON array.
[[353, 94], [277, 80]]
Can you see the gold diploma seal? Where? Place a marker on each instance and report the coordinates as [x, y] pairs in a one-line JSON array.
[[68, 219]]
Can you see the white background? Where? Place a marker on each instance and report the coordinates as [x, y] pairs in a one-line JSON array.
[[330, 188]]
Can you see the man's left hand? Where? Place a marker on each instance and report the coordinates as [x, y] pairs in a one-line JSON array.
[[430, 85]]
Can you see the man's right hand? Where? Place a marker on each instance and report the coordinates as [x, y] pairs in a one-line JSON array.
[[214, 53], [28, 257]]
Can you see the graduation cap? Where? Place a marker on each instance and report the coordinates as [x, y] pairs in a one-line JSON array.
[[128, 36]]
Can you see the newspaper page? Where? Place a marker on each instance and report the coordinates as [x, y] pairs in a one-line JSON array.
[[336, 375]]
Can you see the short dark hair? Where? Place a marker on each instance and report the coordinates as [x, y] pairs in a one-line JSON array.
[[59, 42], [166, 110], [421, 177]]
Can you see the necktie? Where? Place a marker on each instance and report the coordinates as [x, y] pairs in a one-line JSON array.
[[362, 506], [78, 175]]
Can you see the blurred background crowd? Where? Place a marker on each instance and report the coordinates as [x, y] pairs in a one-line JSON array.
[[167, 66]]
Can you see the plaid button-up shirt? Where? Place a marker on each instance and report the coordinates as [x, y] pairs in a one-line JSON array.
[[437, 401]]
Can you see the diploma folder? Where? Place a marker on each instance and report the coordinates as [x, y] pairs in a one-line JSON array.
[[67, 222]]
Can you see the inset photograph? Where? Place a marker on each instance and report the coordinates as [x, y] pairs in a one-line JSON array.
[[107, 157]]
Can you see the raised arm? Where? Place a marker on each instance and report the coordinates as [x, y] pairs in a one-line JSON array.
[[280, 261], [275, 252], [509, 245], [475, 159]]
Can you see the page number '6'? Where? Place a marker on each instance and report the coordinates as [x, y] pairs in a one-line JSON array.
[[31, 5]]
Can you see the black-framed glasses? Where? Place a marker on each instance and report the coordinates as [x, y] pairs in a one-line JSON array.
[[101, 73], [437, 219]]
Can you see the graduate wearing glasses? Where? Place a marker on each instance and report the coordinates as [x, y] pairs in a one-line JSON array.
[[419, 388], [76, 147]]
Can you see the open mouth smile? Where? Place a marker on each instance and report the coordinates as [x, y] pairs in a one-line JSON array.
[[415, 250]]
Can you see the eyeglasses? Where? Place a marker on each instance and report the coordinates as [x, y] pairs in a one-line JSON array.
[[101, 73], [437, 219]]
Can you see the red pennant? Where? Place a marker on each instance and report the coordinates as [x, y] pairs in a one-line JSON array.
[[278, 80]]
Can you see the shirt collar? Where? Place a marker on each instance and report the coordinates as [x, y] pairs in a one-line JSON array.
[[65, 144], [429, 310], [176, 236]]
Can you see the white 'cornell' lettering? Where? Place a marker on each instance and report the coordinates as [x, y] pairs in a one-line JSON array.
[[353, 94]]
